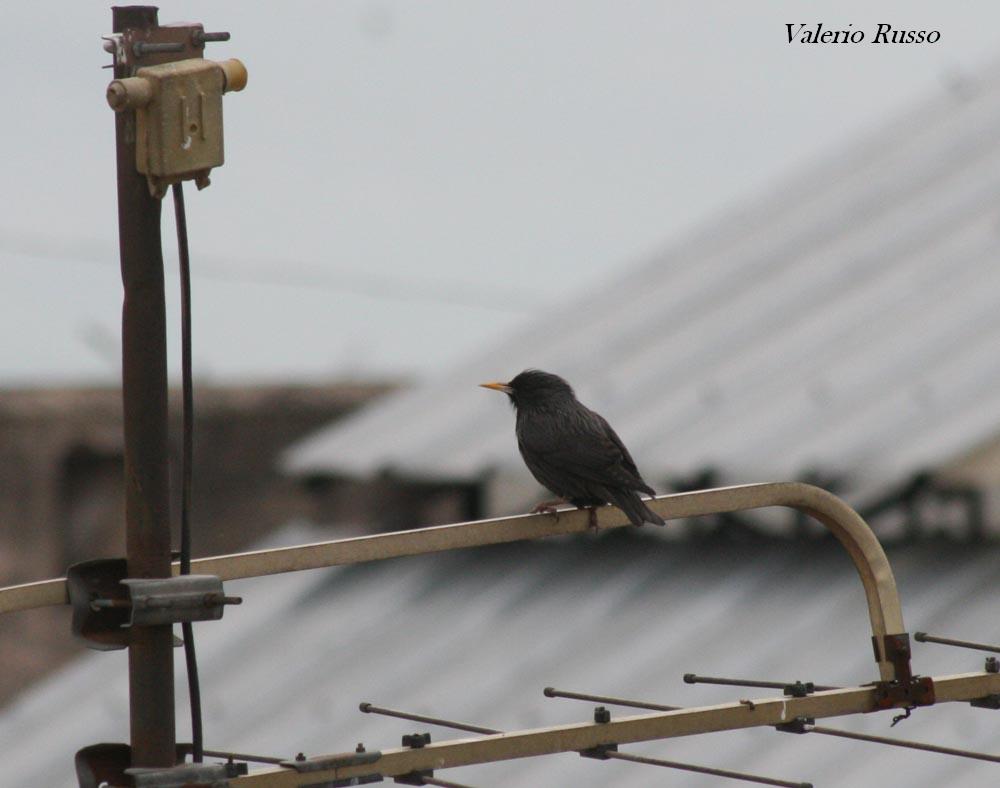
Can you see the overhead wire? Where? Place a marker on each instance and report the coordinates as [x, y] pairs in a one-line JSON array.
[[350, 282]]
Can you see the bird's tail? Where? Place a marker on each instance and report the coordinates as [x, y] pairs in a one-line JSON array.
[[635, 508]]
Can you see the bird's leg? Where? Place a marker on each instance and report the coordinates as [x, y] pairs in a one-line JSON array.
[[548, 507], [591, 516]]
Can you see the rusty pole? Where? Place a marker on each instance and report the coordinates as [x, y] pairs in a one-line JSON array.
[[144, 392]]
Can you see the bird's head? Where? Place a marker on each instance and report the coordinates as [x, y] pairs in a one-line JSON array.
[[534, 388]]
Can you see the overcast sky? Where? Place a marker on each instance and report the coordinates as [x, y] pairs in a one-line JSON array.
[[406, 180]]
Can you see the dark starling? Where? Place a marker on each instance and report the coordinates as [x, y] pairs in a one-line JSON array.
[[572, 450]]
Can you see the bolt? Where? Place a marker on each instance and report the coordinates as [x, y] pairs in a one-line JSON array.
[[992, 665], [360, 747], [300, 757], [601, 714], [199, 37], [140, 48]]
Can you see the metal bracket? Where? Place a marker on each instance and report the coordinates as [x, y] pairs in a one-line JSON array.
[[135, 48], [895, 649], [102, 764], [324, 762], [102, 627], [600, 752], [170, 600], [415, 741], [906, 690], [799, 689], [989, 701], [108, 764], [364, 779], [186, 775], [414, 778], [234, 769], [798, 725], [916, 691], [106, 602]]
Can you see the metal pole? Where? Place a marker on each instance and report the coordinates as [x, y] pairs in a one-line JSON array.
[[687, 767], [913, 745], [923, 637], [552, 692], [807, 687], [144, 393]]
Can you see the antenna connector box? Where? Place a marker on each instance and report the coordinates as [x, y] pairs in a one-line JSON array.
[[178, 117]]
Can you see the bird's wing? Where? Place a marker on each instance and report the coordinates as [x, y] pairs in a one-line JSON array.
[[626, 459], [581, 443]]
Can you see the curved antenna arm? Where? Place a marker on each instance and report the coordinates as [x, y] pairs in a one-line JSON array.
[[853, 533]]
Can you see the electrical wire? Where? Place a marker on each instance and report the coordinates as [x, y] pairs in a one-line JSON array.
[[347, 281], [194, 687]]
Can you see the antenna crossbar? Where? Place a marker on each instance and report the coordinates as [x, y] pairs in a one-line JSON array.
[[621, 730]]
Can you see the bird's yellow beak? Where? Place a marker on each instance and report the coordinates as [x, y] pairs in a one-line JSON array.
[[498, 387]]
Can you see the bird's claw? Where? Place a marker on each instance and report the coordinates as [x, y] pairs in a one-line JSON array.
[[547, 507]]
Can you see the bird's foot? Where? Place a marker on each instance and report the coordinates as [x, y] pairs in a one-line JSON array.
[[592, 517], [548, 507]]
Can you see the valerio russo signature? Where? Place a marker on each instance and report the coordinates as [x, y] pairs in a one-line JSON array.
[[884, 34]]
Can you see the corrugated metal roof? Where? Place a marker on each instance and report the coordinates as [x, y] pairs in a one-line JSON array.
[[475, 636], [847, 321]]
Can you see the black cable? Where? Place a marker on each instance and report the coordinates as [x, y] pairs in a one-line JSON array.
[[194, 688]]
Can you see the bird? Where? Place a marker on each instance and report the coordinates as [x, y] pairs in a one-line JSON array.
[[572, 450]]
